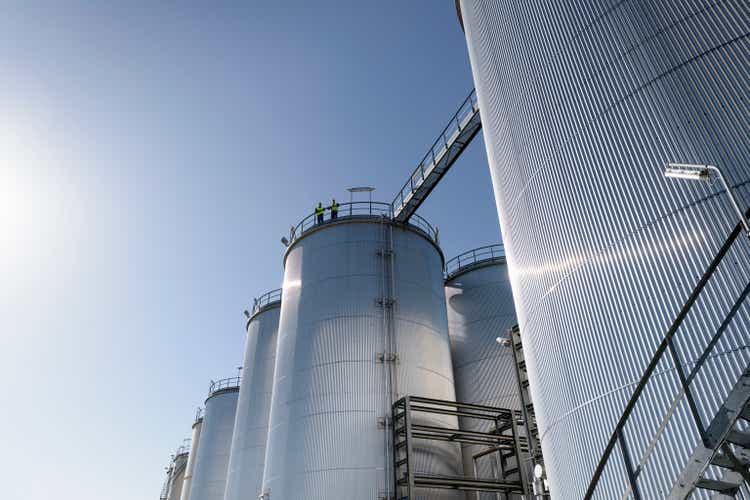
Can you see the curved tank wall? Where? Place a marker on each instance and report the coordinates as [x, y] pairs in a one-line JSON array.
[[190, 466], [480, 309], [245, 476], [582, 105], [331, 386], [177, 478], [212, 459]]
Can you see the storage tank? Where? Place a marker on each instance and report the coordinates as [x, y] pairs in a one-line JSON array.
[[480, 309], [212, 458], [583, 103], [245, 476], [177, 476], [190, 466], [362, 322]]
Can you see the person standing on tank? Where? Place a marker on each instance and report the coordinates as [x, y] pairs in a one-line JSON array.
[[334, 209], [319, 212]]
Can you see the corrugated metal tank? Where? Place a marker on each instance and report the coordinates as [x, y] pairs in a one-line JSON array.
[[245, 476], [177, 478], [583, 103], [190, 466], [212, 458], [480, 309], [326, 438]]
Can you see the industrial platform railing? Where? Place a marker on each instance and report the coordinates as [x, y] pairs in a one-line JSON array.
[[359, 209], [265, 299], [473, 257], [199, 413], [225, 383], [667, 345]]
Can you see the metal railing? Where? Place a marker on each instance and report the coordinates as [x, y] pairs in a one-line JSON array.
[[265, 299], [359, 209], [618, 435], [225, 383], [463, 117], [472, 257], [199, 413]]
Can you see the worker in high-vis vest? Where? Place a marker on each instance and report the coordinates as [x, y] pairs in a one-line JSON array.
[[319, 211], [334, 209]]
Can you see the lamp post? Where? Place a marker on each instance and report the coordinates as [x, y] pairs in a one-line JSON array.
[[695, 172]]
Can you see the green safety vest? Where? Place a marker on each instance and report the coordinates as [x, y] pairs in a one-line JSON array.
[[319, 210], [335, 207]]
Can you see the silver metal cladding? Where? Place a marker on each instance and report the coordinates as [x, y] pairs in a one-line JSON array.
[[245, 476], [362, 323], [582, 104], [212, 457]]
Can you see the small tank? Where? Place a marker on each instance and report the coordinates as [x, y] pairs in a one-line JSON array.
[[245, 476], [212, 457], [480, 309], [177, 475], [190, 466]]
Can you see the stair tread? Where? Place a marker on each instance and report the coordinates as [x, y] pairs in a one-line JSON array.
[[721, 460], [716, 485], [739, 438]]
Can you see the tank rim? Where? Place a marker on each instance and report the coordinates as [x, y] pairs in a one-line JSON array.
[[219, 392], [262, 309], [365, 219], [491, 261]]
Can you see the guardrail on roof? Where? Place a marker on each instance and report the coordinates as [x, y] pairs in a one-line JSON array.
[[473, 257]]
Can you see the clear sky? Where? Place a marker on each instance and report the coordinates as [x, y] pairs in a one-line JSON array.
[[151, 156]]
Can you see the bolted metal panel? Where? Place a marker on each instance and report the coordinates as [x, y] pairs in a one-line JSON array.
[[245, 476], [190, 466], [582, 104], [177, 478], [356, 309], [212, 458], [480, 309]]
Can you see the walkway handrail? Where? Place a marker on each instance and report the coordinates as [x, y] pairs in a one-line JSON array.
[[472, 257], [359, 209], [265, 299], [467, 109], [225, 383], [617, 434]]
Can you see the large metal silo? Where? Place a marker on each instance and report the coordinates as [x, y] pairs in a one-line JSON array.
[[583, 103], [363, 322], [177, 473], [480, 309], [245, 476], [212, 457], [190, 466]]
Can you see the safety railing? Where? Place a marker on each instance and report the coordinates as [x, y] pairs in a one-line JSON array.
[[354, 210], [225, 383], [265, 299], [472, 257], [467, 112], [667, 344], [199, 413]]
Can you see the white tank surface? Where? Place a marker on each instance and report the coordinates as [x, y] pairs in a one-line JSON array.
[[212, 457], [480, 309], [190, 466], [363, 322], [177, 476], [245, 476]]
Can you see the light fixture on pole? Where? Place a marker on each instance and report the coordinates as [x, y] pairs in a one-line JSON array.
[[695, 172]]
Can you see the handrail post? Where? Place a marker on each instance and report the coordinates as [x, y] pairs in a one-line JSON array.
[[688, 393], [628, 465]]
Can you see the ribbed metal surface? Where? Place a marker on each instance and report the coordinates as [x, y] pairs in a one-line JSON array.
[[582, 104], [190, 467], [245, 476], [177, 477], [480, 309], [325, 440], [212, 458]]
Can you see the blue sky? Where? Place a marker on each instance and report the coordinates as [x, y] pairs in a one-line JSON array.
[[151, 156]]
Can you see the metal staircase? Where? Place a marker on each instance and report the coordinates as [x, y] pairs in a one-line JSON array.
[[456, 136], [720, 462], [727, 447], [540, 489]]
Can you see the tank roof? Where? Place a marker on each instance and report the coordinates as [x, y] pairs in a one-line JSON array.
[[473, 259]]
